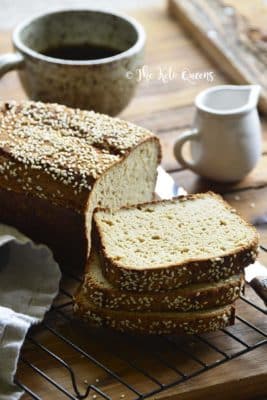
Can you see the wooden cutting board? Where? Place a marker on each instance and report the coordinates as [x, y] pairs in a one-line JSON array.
[[166, 109], [232, 33]]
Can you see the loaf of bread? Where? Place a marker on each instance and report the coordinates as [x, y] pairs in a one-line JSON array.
[[171, 243], [155, 322], [57, 164], [98, 291]]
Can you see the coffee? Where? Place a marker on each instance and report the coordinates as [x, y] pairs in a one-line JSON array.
[[83, 51]]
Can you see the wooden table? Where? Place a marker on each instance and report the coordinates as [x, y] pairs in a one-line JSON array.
[[167, 109]]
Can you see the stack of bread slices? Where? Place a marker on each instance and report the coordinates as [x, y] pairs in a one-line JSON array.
[[170, 266], [161, 267]]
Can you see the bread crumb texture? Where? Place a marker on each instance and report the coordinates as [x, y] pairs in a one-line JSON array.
[[173, 232]]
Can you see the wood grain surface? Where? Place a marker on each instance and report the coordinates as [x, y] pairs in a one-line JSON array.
[[167, 109], [230, 40]]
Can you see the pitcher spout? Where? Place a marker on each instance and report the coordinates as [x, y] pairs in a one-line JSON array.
[[227, 100], [254, 94]]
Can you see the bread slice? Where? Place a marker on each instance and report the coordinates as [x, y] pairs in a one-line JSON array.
[[171, 243], [155, 322], [103, 294], [57, 164]]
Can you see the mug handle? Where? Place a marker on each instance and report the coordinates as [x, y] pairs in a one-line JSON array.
[[10, 61], [191, 134]]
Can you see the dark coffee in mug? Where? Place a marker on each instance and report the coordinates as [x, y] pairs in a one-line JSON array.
[[83, 51]]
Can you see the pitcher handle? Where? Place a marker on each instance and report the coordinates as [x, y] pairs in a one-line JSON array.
[[191, 134], [10, 61]]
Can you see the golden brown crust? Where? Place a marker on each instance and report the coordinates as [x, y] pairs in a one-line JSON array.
[[182, 274], [190, 298], [155, 323]]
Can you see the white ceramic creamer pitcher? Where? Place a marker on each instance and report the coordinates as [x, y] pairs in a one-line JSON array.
[[226, 137]]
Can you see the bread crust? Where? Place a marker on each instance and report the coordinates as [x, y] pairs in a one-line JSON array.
[[155, 323], [62, 229], [190, 298], [174, 276]]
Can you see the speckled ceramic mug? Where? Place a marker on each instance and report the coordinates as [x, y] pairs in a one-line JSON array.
[[104, 84]]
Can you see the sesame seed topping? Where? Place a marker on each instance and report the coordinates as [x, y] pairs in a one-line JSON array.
[[72, 146]]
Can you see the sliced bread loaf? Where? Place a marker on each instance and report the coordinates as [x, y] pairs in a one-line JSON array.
[[171, 243], [97, 290], [57, 164], [155, 322]]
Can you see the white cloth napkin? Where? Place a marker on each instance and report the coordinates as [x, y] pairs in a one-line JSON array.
[[29, 281]]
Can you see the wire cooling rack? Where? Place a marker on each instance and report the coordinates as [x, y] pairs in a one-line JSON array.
[[63, 358]]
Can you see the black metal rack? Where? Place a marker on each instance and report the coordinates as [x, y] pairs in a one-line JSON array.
[[198, 353]]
